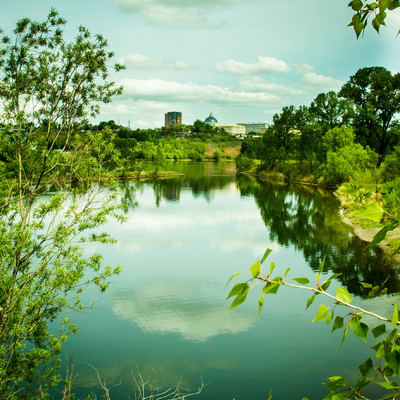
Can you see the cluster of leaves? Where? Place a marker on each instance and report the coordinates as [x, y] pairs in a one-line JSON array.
[[387, 351], [364, 10]]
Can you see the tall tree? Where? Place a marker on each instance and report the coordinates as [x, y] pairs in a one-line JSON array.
[[375, 93], [330, 111], [47, 89], [284, 127]]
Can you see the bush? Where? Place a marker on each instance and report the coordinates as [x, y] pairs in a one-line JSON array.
[[244, 163], [341, 165], [392, 163]]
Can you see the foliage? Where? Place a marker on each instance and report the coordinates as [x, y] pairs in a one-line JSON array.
[[376, 97], [50, 202], [244, 163], [344, 163], [364, 111], [330, 111], [387, 351], [392, 163], [364, 10]]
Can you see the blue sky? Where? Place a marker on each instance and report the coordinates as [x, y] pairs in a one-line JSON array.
[[243, 60]]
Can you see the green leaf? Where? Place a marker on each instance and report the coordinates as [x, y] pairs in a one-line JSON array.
[[366, 285], [393, 360], [361, 383], [376, 24], [394, 4], [329, 318], [381, 235], [271, 268], [374, 212], [379, 330], [333, 276], [255, 269], [366, 367], [389, 385], [344, 336], [343, 295], [310, 301], [302, 281], [325, 285], [356, 5], [383, 5], [260, 304], [380, 351], [239, 289], [321, 314], [361, 330], [266, 254], [286, 272], [335, 382], [238, 300], [271, 288], [270, 395], [234, 276], [395, 316], [338, 323]]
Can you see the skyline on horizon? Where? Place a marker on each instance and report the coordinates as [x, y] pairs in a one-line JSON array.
[[242, 59]]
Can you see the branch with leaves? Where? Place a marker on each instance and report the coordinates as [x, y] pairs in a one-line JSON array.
[[387, 350], [370, 10]]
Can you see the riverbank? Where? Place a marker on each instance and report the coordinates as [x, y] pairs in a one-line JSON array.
[[365, 233]]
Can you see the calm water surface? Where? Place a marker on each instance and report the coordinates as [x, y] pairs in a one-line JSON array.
[[166, 316]]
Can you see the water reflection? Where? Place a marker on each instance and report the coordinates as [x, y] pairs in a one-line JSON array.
[[308, 219], [176, 307], [301, 216], [184, 237]]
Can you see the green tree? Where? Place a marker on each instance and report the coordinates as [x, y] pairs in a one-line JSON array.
[[375, 93], [48, 87], [284, 125], [330, 111]]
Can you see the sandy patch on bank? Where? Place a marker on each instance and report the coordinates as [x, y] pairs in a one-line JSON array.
[[367, 234]]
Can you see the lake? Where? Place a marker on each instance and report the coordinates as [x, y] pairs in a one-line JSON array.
[[165, 315]]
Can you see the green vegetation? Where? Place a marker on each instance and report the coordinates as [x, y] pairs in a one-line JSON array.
[[350, 135], [366, 10], [51, 160], [48, 203], [348, 140]]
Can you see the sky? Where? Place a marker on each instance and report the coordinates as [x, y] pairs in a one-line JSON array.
[[242, 60]]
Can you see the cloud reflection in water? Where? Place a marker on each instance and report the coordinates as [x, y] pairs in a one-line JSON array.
[[179, 307]]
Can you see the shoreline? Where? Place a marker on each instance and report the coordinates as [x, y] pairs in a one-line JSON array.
[[365, 234]]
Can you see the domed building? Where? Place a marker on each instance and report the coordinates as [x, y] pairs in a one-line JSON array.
[[211, 120]]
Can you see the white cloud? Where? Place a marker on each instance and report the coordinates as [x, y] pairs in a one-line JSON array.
[[324, 82], [304, 69], [172, 13], [311, 78], [140, 61], [158, 89], [265, 65], [258, 84]]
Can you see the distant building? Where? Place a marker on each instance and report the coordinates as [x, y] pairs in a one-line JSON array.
[[260, 127], [232, 129], [211, 120], [173, 118]]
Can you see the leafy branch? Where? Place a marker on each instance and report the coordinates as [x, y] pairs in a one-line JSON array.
[[387, 350]]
